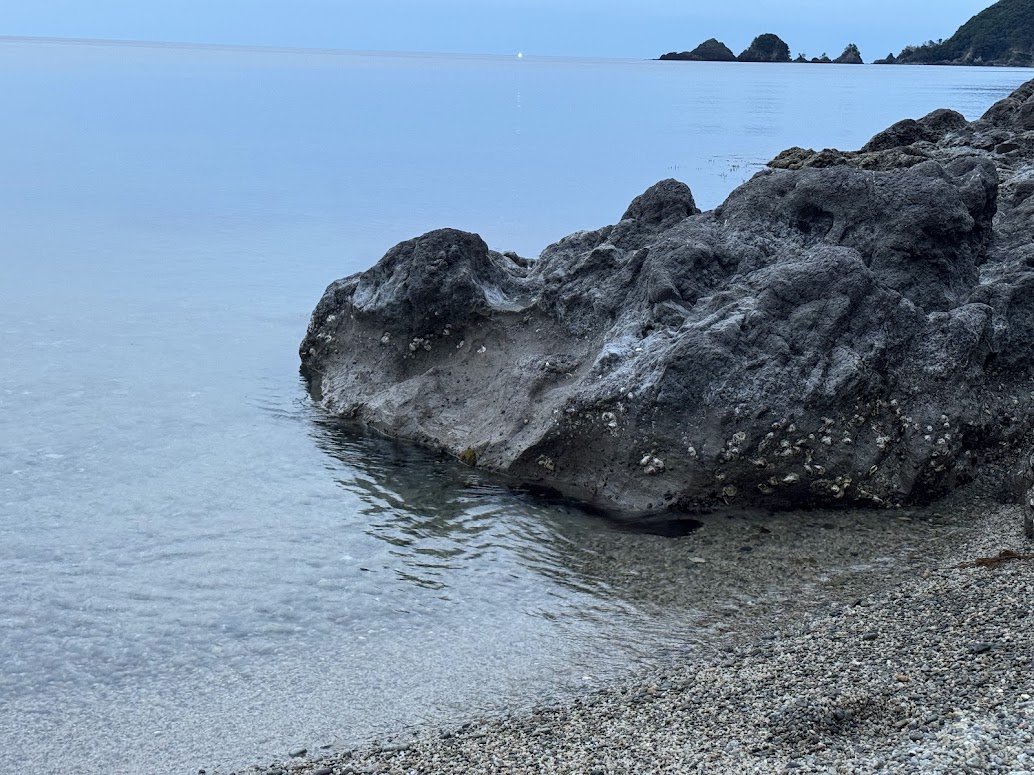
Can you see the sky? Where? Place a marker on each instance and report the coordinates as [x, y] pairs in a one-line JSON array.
[[584, 28]]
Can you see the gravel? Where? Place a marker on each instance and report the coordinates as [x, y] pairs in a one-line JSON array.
[[930, 674]]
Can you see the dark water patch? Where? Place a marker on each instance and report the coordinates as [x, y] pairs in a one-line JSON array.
[[677, 527]]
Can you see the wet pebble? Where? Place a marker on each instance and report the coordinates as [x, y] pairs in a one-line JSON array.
[[939, 694]]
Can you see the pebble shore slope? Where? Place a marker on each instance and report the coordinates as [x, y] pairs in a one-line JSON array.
[[930, 675]]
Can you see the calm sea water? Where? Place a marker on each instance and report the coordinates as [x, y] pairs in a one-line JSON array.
[[198, 569]]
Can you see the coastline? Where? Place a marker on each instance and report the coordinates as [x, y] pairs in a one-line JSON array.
[[928, 674]]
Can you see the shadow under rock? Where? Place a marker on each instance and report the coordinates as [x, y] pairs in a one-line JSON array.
[[697, 577]]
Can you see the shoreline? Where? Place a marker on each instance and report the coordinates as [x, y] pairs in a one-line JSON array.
[[926, 674]]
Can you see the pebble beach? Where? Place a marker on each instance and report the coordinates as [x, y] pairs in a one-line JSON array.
[[929, 672]]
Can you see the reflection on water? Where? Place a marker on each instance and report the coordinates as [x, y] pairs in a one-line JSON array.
[[442, 518], [674, 583]]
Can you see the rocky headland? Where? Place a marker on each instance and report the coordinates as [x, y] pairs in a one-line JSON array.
[[846, 328], [1001, 35]]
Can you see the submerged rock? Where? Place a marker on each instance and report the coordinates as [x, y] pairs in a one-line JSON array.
[[847, 327]]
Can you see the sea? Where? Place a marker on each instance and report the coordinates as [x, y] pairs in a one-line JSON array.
[[199, 569]]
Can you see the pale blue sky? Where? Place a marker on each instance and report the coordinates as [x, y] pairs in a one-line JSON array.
[[625, 28]]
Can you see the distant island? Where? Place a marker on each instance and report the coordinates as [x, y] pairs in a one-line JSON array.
[[711, 50], [764, 48], [1001, 36]]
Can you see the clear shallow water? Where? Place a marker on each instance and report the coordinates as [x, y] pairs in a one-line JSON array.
[[196, 568]]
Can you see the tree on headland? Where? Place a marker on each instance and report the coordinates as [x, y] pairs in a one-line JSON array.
[[851, 56], [766, 48], [1000, 35]]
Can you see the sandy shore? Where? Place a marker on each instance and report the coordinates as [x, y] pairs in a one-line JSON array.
[[930, 674]]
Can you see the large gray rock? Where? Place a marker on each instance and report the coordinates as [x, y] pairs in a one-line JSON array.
[[848, 327]]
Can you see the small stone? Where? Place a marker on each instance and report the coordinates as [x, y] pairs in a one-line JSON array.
[[297, 753]]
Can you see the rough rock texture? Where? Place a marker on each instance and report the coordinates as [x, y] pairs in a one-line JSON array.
[[848, 327]]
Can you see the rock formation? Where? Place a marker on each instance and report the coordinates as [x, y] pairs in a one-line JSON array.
[[711, 50], [846, 328], [851, 56], [766, 48], [1002, 34]]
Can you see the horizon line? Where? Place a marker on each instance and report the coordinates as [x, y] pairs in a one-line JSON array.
[[273, 49]]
